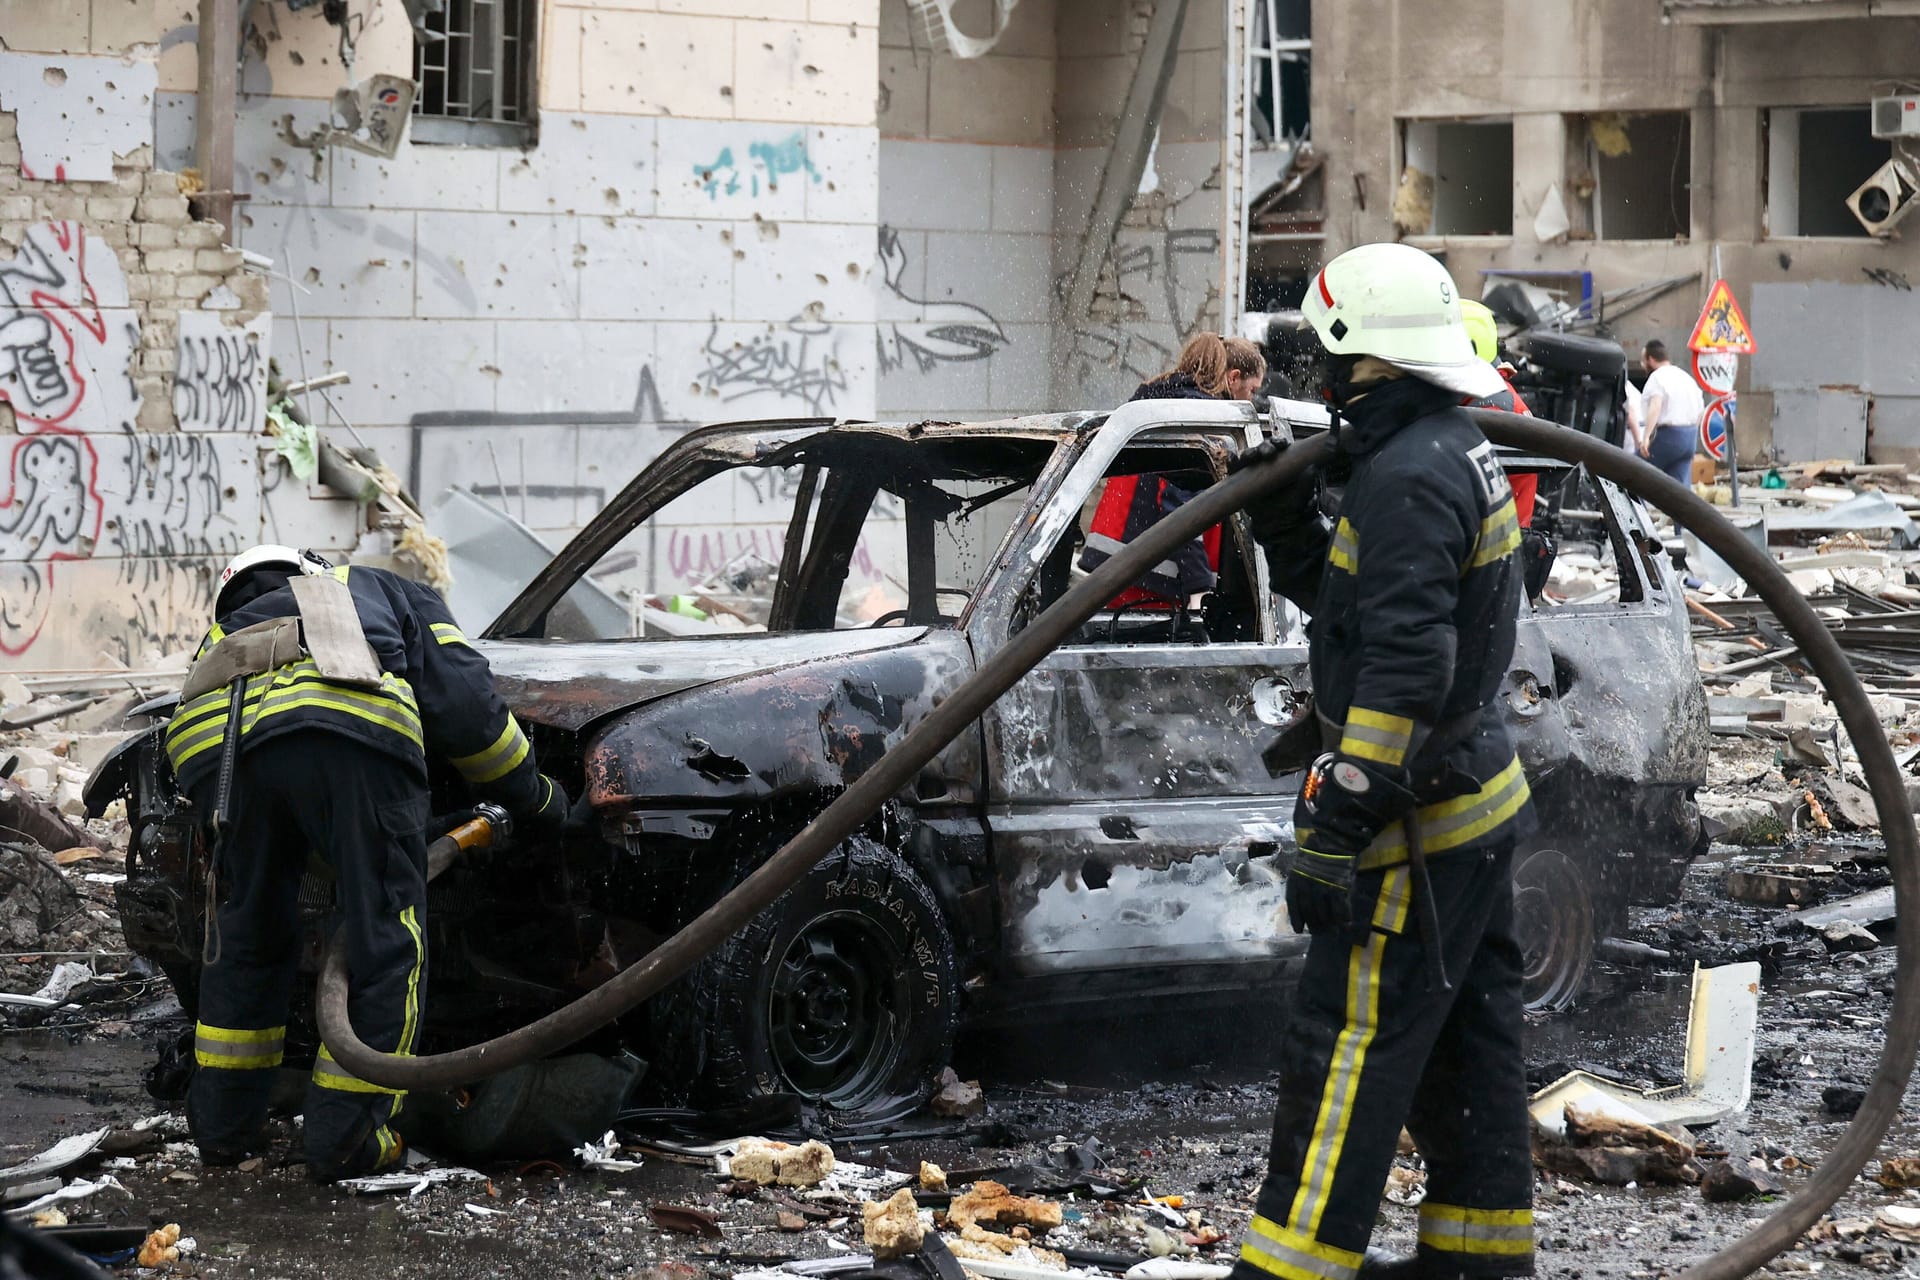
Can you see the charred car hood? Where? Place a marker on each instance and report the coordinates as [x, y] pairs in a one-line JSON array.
[[568, 685]]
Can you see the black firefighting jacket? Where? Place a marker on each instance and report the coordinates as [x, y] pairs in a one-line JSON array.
[[1414, 595], [436, 694]]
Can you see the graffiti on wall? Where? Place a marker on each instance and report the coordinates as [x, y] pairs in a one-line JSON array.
[[766, 164], [799, 360], [67, 334], [220, 380], [67, 338], [925, 332], [1156, 290], [163, 509]]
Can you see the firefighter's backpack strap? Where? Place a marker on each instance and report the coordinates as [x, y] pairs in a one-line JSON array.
[[249, 651], [335, 639]]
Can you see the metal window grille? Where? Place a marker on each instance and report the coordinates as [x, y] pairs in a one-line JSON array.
[[480, 66], [1280, 54]]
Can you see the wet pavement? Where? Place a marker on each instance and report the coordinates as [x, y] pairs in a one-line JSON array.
[[1185, 1110]]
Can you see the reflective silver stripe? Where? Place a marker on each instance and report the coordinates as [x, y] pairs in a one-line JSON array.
[[1343, 1082], [1262, 1240], [1475, 1230], [1438, 320], [228, 1049], [1112, 546], [1378, 737]]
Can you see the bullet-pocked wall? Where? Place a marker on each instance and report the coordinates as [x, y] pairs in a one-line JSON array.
[[677, 224], [989, 167], [133, 353], [1610, 141]]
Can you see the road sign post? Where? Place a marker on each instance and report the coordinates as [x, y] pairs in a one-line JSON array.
[[1720, 337]]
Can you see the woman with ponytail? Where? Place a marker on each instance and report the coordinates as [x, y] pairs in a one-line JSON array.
[[1130, 505]]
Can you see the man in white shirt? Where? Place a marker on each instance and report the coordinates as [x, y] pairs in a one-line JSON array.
[[1671, 409], [1634, 440]]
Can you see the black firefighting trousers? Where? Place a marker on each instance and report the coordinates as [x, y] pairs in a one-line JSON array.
[[1370, 1049], [364, 812]]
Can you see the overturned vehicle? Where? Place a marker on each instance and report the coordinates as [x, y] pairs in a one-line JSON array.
[[1115, 826]]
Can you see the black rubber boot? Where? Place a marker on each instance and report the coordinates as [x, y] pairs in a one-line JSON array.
[[1383, 1264]]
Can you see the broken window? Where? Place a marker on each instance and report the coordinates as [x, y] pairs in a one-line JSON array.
[[836, 533], [1232, 611], [1640, 167], [1279, 73], [474, 65], [1816, 157], [1456, 178]]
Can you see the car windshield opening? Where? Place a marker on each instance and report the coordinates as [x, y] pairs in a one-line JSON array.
[[838, 532]]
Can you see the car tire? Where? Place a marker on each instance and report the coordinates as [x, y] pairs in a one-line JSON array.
[[843, 992], [1574, 353], [1554, 916]]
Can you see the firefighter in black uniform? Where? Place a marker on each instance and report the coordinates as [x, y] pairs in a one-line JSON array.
[[343, 681], [1409, 1010]]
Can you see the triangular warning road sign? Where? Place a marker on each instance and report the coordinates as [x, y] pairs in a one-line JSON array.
[[1722, 326]]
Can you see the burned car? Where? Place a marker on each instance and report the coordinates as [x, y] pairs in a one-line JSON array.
[[1117, 824]]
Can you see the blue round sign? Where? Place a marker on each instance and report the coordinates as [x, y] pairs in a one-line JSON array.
[[1715, 427]]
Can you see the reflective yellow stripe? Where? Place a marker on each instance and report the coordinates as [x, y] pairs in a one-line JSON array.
[[1499, 536], [1343, 1081], [411, 920], [1377, 736], [498, 760], [340, 571], [238, 1049], [1345, 551], [1390, 908], [340, 700], [1503, 1232], [202, 724], [1293, 1256], [1452, 823], [389, 1146], [447, 633], [340, 1080], [232, 1035]]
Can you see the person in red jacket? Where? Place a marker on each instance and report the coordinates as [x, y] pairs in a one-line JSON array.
[[1209, 368]]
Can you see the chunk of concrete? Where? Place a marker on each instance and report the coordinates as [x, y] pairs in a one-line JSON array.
[[893, 1229], [1733, 1179]]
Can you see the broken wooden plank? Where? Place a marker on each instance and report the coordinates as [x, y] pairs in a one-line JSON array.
[[26, 815]]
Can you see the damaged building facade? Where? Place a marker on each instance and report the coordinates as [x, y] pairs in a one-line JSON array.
[[1601, 145], [603, 221]]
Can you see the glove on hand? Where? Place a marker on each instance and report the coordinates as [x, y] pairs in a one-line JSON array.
[[1345, 803], [550, 814], [1320, 890]]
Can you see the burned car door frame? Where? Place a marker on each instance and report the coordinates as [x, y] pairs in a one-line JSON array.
[[1132, 820]]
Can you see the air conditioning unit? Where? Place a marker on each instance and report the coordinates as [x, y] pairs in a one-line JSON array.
[[1885, 198], [1897, 117]]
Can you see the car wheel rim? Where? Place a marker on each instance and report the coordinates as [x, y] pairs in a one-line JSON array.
[[835, 1021], [1553, 921]]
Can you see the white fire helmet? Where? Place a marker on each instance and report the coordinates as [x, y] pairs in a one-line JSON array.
[[1398, 303], [266, 556]]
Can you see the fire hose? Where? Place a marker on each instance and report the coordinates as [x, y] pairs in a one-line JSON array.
[[898, 768]]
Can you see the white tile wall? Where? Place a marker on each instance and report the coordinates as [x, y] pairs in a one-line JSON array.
[[586, 367], [655, 269], [520, 265], [351, 263], [788, 269]]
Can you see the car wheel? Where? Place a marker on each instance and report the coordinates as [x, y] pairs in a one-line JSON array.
[[1574, 353], [843, 992], [1553, 919]]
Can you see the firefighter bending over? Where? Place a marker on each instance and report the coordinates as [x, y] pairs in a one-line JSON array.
[[1409, 1010], [303, 727]]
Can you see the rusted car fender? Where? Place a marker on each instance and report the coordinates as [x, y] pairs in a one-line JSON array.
[[807, 729]]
